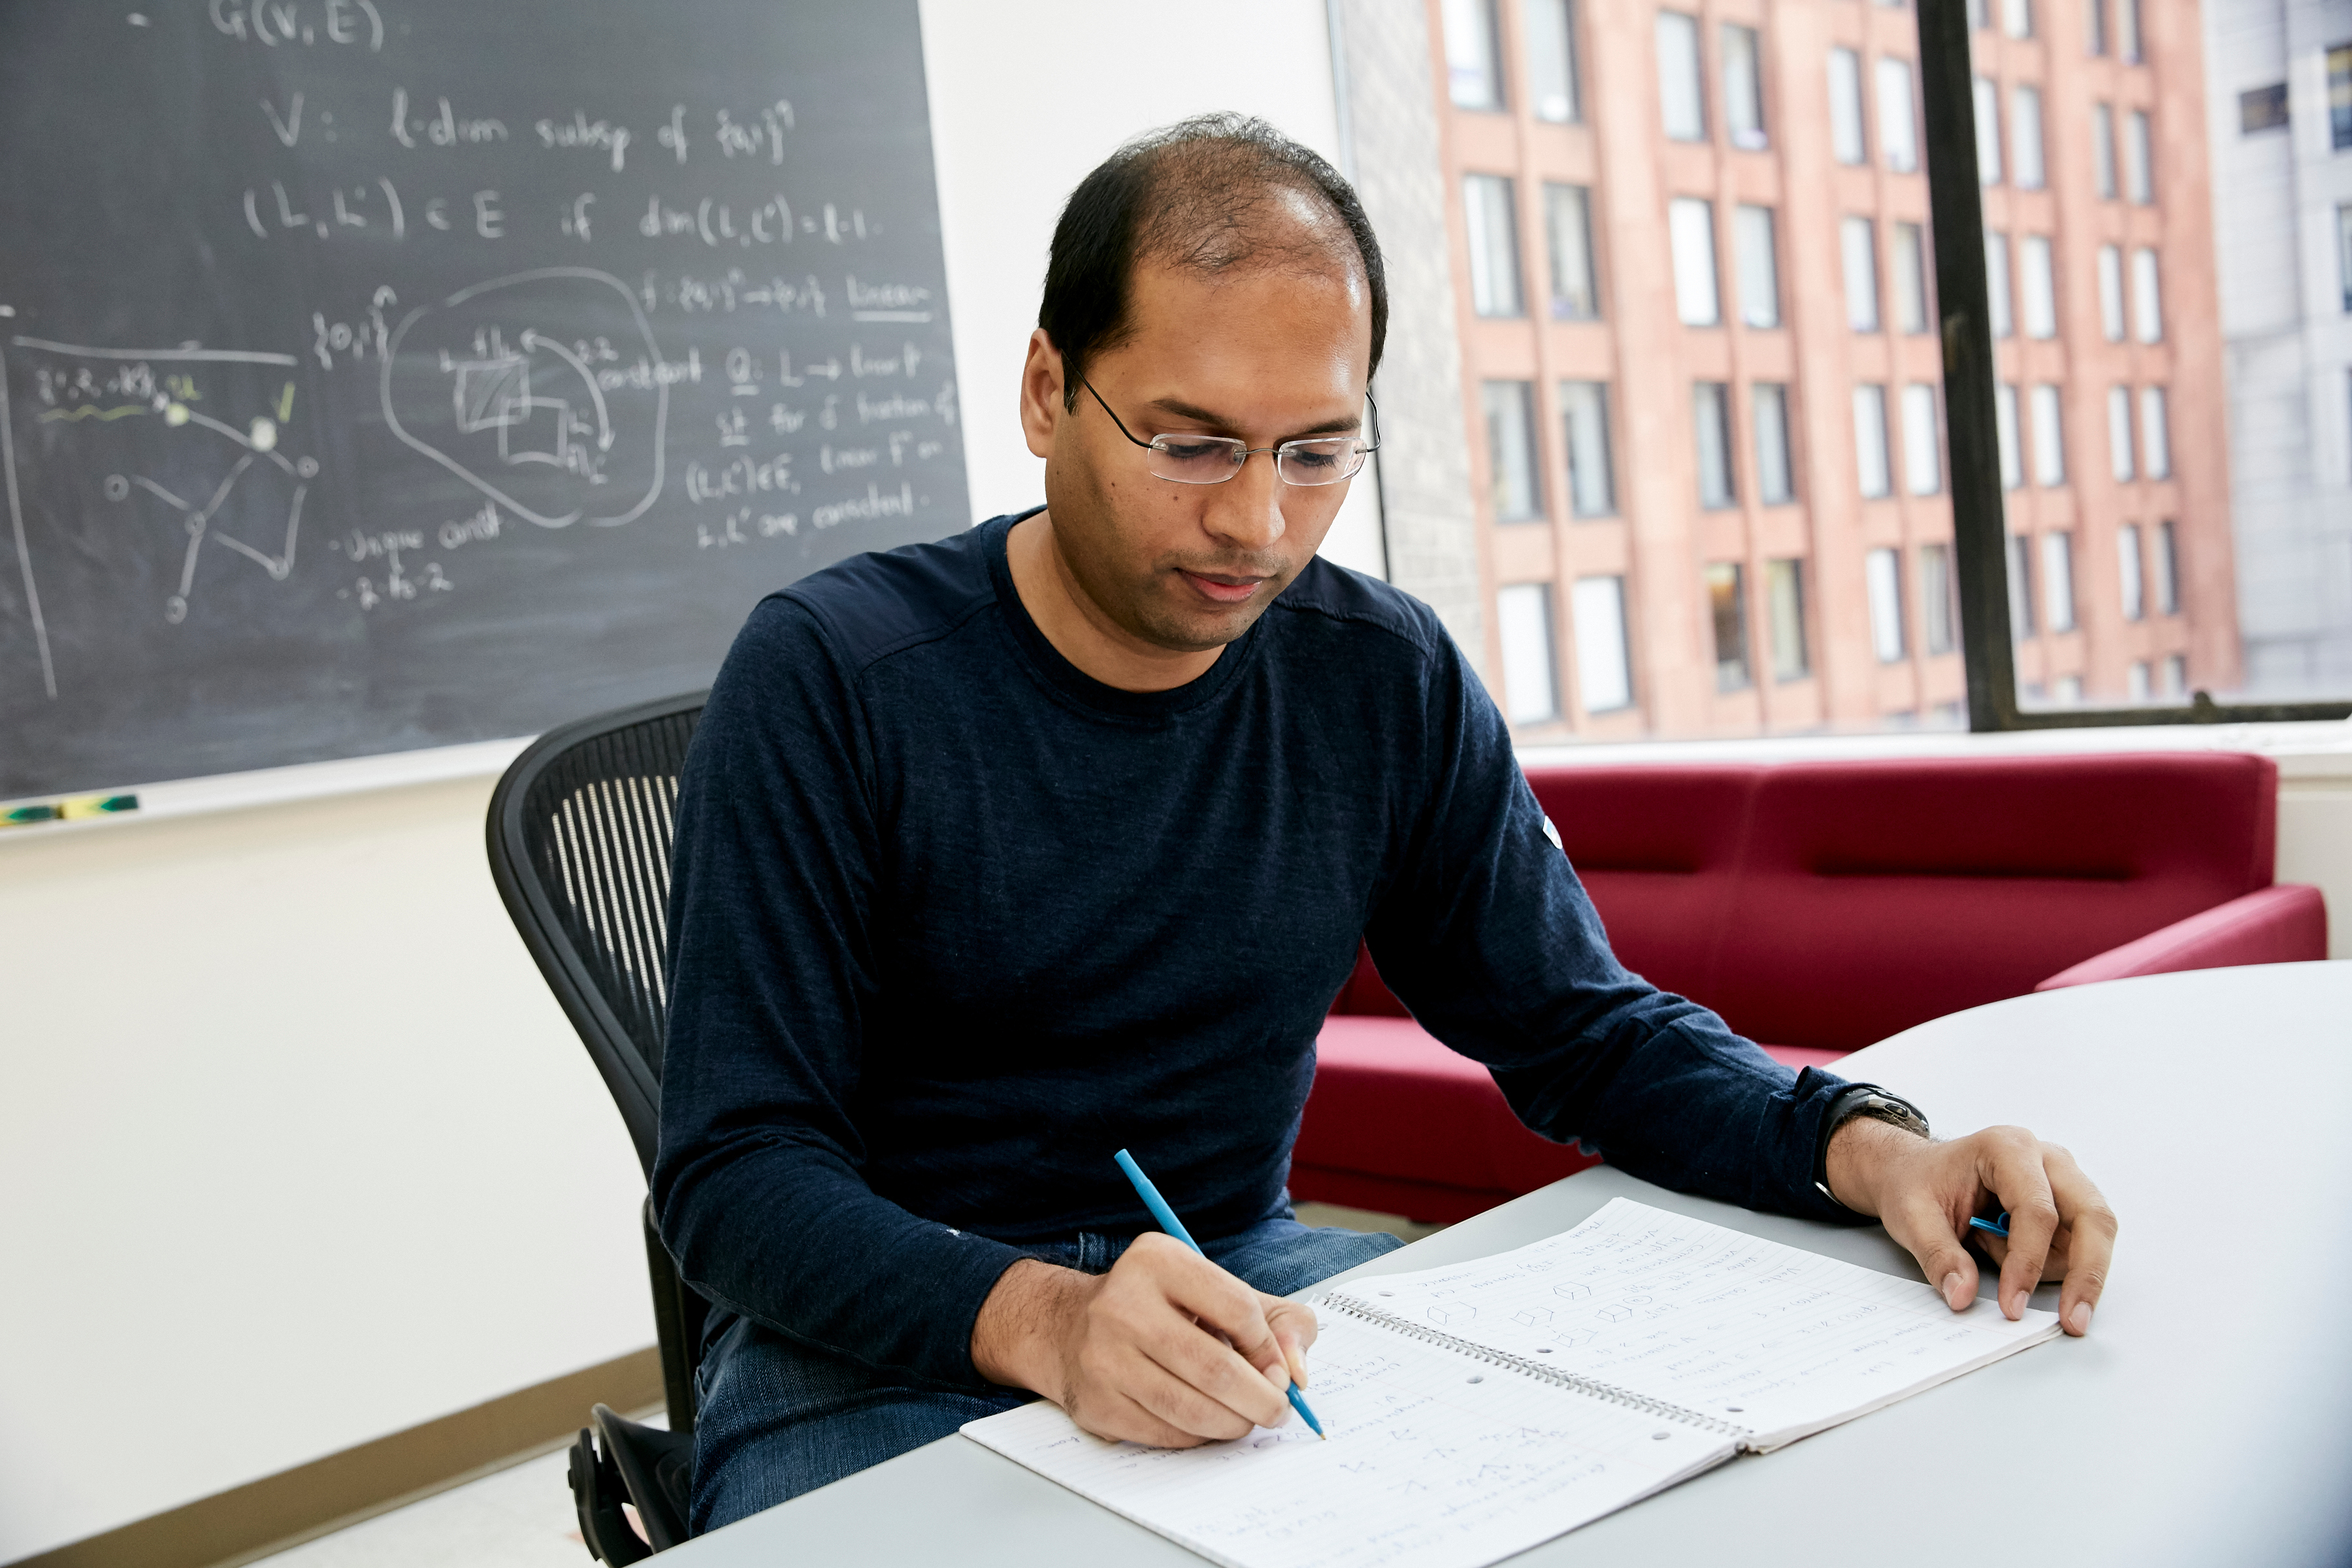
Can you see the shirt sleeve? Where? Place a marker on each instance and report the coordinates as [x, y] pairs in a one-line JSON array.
[[1488, 935], [757, 1183]]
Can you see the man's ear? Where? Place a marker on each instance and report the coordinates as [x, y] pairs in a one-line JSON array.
[[1042, 409]]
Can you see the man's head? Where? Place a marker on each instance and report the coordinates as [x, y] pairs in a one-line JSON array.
[[1213, 278]]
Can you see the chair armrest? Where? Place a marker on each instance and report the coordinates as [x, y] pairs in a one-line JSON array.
[[2283, 924]]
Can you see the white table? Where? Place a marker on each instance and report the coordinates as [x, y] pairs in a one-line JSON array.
[[2207, 1419]]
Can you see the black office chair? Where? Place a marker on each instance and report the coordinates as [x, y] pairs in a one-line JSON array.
[[579, 835]]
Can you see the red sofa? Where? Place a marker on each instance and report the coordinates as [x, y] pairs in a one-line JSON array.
[[1819, 907]]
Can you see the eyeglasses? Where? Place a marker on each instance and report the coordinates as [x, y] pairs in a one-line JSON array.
[[1191, 459]]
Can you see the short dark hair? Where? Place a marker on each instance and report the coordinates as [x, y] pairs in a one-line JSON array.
[[1194, 193]]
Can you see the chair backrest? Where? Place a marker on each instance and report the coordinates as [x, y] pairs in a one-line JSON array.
[[581, 831]]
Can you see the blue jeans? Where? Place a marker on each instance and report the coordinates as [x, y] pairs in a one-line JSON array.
[[777, 1419]]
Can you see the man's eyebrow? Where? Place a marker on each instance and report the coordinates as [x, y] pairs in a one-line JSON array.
[[1182, 410]]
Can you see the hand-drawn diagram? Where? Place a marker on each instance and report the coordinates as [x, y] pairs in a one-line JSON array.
[[1447, 1314], [259, 441], [504, 385]]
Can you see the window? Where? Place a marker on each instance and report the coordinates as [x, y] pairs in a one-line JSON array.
[[1680, 96], [2128, 39], [1758, 270], [1923, 452], [2021, 588], [1987, 98], [2135, 681], [1550, 41], [1882, 572], [1523, 619], [1605, 675], [1845, 107], [1727, 601], [2262, 109], [2343, 251], [1511, 449], [1784, 604], [1979, 15], [2340, 97], [1487, 210], [2039, 301], [2102, 150], [2067, 690], [1870, 455], [1743, 87], [1857, 246], [2119, 433], [1591, 479], [2139, 159], [1997, 296], [2004, 417], [1690, 223], [2017, 18], [2167, 571], [1910, 278], [1711, 423], [1898, 124], [2049, 438], [2176, 675], [1775, 485], [2155, 433], [2128, 575], [2148, 304], [1937, 598], [1568, 226], [2025, 137], [2111, 293], [2058, 580], [1473, 79], [2094, 27]]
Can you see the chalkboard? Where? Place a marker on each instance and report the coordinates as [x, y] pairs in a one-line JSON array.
[[389, 374]]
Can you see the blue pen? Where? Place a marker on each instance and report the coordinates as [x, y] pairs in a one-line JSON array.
[[1175, 1227], [1999, 1227]]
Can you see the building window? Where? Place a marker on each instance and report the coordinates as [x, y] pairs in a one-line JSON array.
[[2110, 271], [2262, 109], [2340, 97], [1845, 107], [2119, 433], [2058, 580], [2343, 251], [1883, 572], [1935, 597], [1552, 60], [1743, 88], [1784, 606], [2139, 159], [1711, 426], [1568, 227], [2102, 150], [1775, 483], [2155, 433], [2147, 303], [1727, 601], [1754, 261], [1681, 96], [1870, 455], [2025, 137], [2066, 691], [1910, 278], [2128, 33], [2094, 27], [2049, 438], [1592, 478], [2021, 588], [2017, 18], [1986, 104], [1511, 449], [1473, 80], [1858, 247], [1690, 223], [2167, 570], [2176, 675], [1997, 295], [2128, 563], [1923, 452], [1523, 617], [1979, 15], [2004, 418], [1487, 210], [1605, 675], [2037, 301], [1898, 124]]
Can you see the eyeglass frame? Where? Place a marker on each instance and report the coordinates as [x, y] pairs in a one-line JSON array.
[[1249, 452]]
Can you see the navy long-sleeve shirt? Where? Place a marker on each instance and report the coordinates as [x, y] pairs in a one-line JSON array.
[[951, 921]]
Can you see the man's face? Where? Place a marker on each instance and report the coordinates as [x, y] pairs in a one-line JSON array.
[[1262, 355]]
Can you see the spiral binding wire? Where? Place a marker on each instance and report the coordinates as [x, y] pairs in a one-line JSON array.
[[1591, 1387]]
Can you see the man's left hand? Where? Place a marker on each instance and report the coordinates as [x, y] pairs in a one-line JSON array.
[[2059, 1227]]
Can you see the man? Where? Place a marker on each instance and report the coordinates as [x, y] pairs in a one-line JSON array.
[[997, 854]]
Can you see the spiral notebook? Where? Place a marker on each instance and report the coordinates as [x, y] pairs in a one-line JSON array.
[[1478, 1409]]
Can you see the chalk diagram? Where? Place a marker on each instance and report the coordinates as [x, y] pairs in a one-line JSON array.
[[259, 441], [509, 385]]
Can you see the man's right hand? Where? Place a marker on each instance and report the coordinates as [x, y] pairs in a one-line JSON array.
[[1167, 1349]]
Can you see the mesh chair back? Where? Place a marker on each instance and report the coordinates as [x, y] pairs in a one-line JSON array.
[[579, 836]]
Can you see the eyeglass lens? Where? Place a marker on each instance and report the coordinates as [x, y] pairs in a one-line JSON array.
[[1210, 459]]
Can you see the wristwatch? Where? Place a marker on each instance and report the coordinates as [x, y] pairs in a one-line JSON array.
[[1863, 1100]]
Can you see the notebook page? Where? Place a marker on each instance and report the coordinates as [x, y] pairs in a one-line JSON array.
[[1435, 1460], [1773, 1338]]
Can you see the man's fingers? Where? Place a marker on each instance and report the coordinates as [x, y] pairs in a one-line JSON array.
[[1923, 1226], [1179, 1399], [1295, 1328], [2091, 1240], [2015, 1176]]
